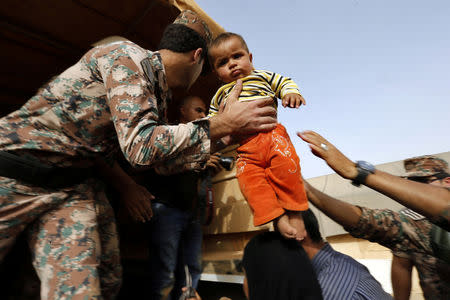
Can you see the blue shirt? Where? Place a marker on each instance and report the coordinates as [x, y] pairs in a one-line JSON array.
[[342, 277]]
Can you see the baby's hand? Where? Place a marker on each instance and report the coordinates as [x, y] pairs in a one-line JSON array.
[[293, 100]]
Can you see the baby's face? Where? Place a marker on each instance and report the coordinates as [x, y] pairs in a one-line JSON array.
[[230, 60]]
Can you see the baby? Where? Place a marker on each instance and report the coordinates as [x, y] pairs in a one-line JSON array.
[[268, 168]]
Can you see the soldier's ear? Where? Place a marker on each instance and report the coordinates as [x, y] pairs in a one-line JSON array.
[[198, 55]]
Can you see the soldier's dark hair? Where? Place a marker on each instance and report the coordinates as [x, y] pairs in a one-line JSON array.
[[226, 36], [312, 226], [181, 39]]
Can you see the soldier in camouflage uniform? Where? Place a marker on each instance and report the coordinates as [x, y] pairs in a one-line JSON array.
[[431, 170], [114, 98], [400, 232]]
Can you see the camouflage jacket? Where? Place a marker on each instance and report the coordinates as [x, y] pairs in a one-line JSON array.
[[115, 96], [410, 239]]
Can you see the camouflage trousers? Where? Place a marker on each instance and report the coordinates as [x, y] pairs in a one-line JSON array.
[[72, 236]]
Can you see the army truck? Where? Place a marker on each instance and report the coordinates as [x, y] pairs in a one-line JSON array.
[[42, 38]]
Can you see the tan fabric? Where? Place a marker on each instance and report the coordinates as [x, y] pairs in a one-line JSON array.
[[193, 21], [215, 28], [426, 165]]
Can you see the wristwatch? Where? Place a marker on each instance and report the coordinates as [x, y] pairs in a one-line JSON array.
[[364, 169]]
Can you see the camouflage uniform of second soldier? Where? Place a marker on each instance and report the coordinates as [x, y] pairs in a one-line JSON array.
[[408, 236], [114, 98]]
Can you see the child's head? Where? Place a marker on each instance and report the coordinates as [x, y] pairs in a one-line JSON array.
[[229, 57]]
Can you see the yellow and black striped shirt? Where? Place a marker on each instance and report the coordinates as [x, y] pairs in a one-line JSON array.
[[259, 84]]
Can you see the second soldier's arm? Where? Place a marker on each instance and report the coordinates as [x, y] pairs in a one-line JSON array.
[[429, 200]]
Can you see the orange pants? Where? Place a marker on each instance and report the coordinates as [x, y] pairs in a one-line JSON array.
[[268, 170]]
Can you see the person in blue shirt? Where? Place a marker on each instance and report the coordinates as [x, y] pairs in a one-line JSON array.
[[339, 275]]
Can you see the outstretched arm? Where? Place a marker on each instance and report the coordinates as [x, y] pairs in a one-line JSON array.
[[133, 98], [429, 200], [341, 212]]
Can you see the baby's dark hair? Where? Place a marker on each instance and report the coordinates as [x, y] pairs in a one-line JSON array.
[[226, 36]]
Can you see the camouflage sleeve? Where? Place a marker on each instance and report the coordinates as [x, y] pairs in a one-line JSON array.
[[134, 111], [392, 230], [188, 159]]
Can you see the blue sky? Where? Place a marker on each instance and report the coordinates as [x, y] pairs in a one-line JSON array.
[[375, 74]]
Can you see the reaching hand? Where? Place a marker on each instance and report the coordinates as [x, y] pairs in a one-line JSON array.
[[322, 148], [137, 201], [293, 100]]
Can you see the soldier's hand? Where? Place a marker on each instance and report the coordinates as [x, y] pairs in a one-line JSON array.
[[322, 148], [137, 200], [248, 117]]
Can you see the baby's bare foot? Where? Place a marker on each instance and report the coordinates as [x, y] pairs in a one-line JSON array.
[[296, 221], [285, 228]]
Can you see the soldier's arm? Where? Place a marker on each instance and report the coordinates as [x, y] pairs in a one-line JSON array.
[[401, 271], [344, 213], [381, 226], [429, 200], [144, 140], [133, 103]]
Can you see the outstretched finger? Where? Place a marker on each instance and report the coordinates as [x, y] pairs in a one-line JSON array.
[[311, 137], [298, 102], [318, 144]]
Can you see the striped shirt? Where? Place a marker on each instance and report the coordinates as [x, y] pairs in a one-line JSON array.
[[343, 278], [259, 84]]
